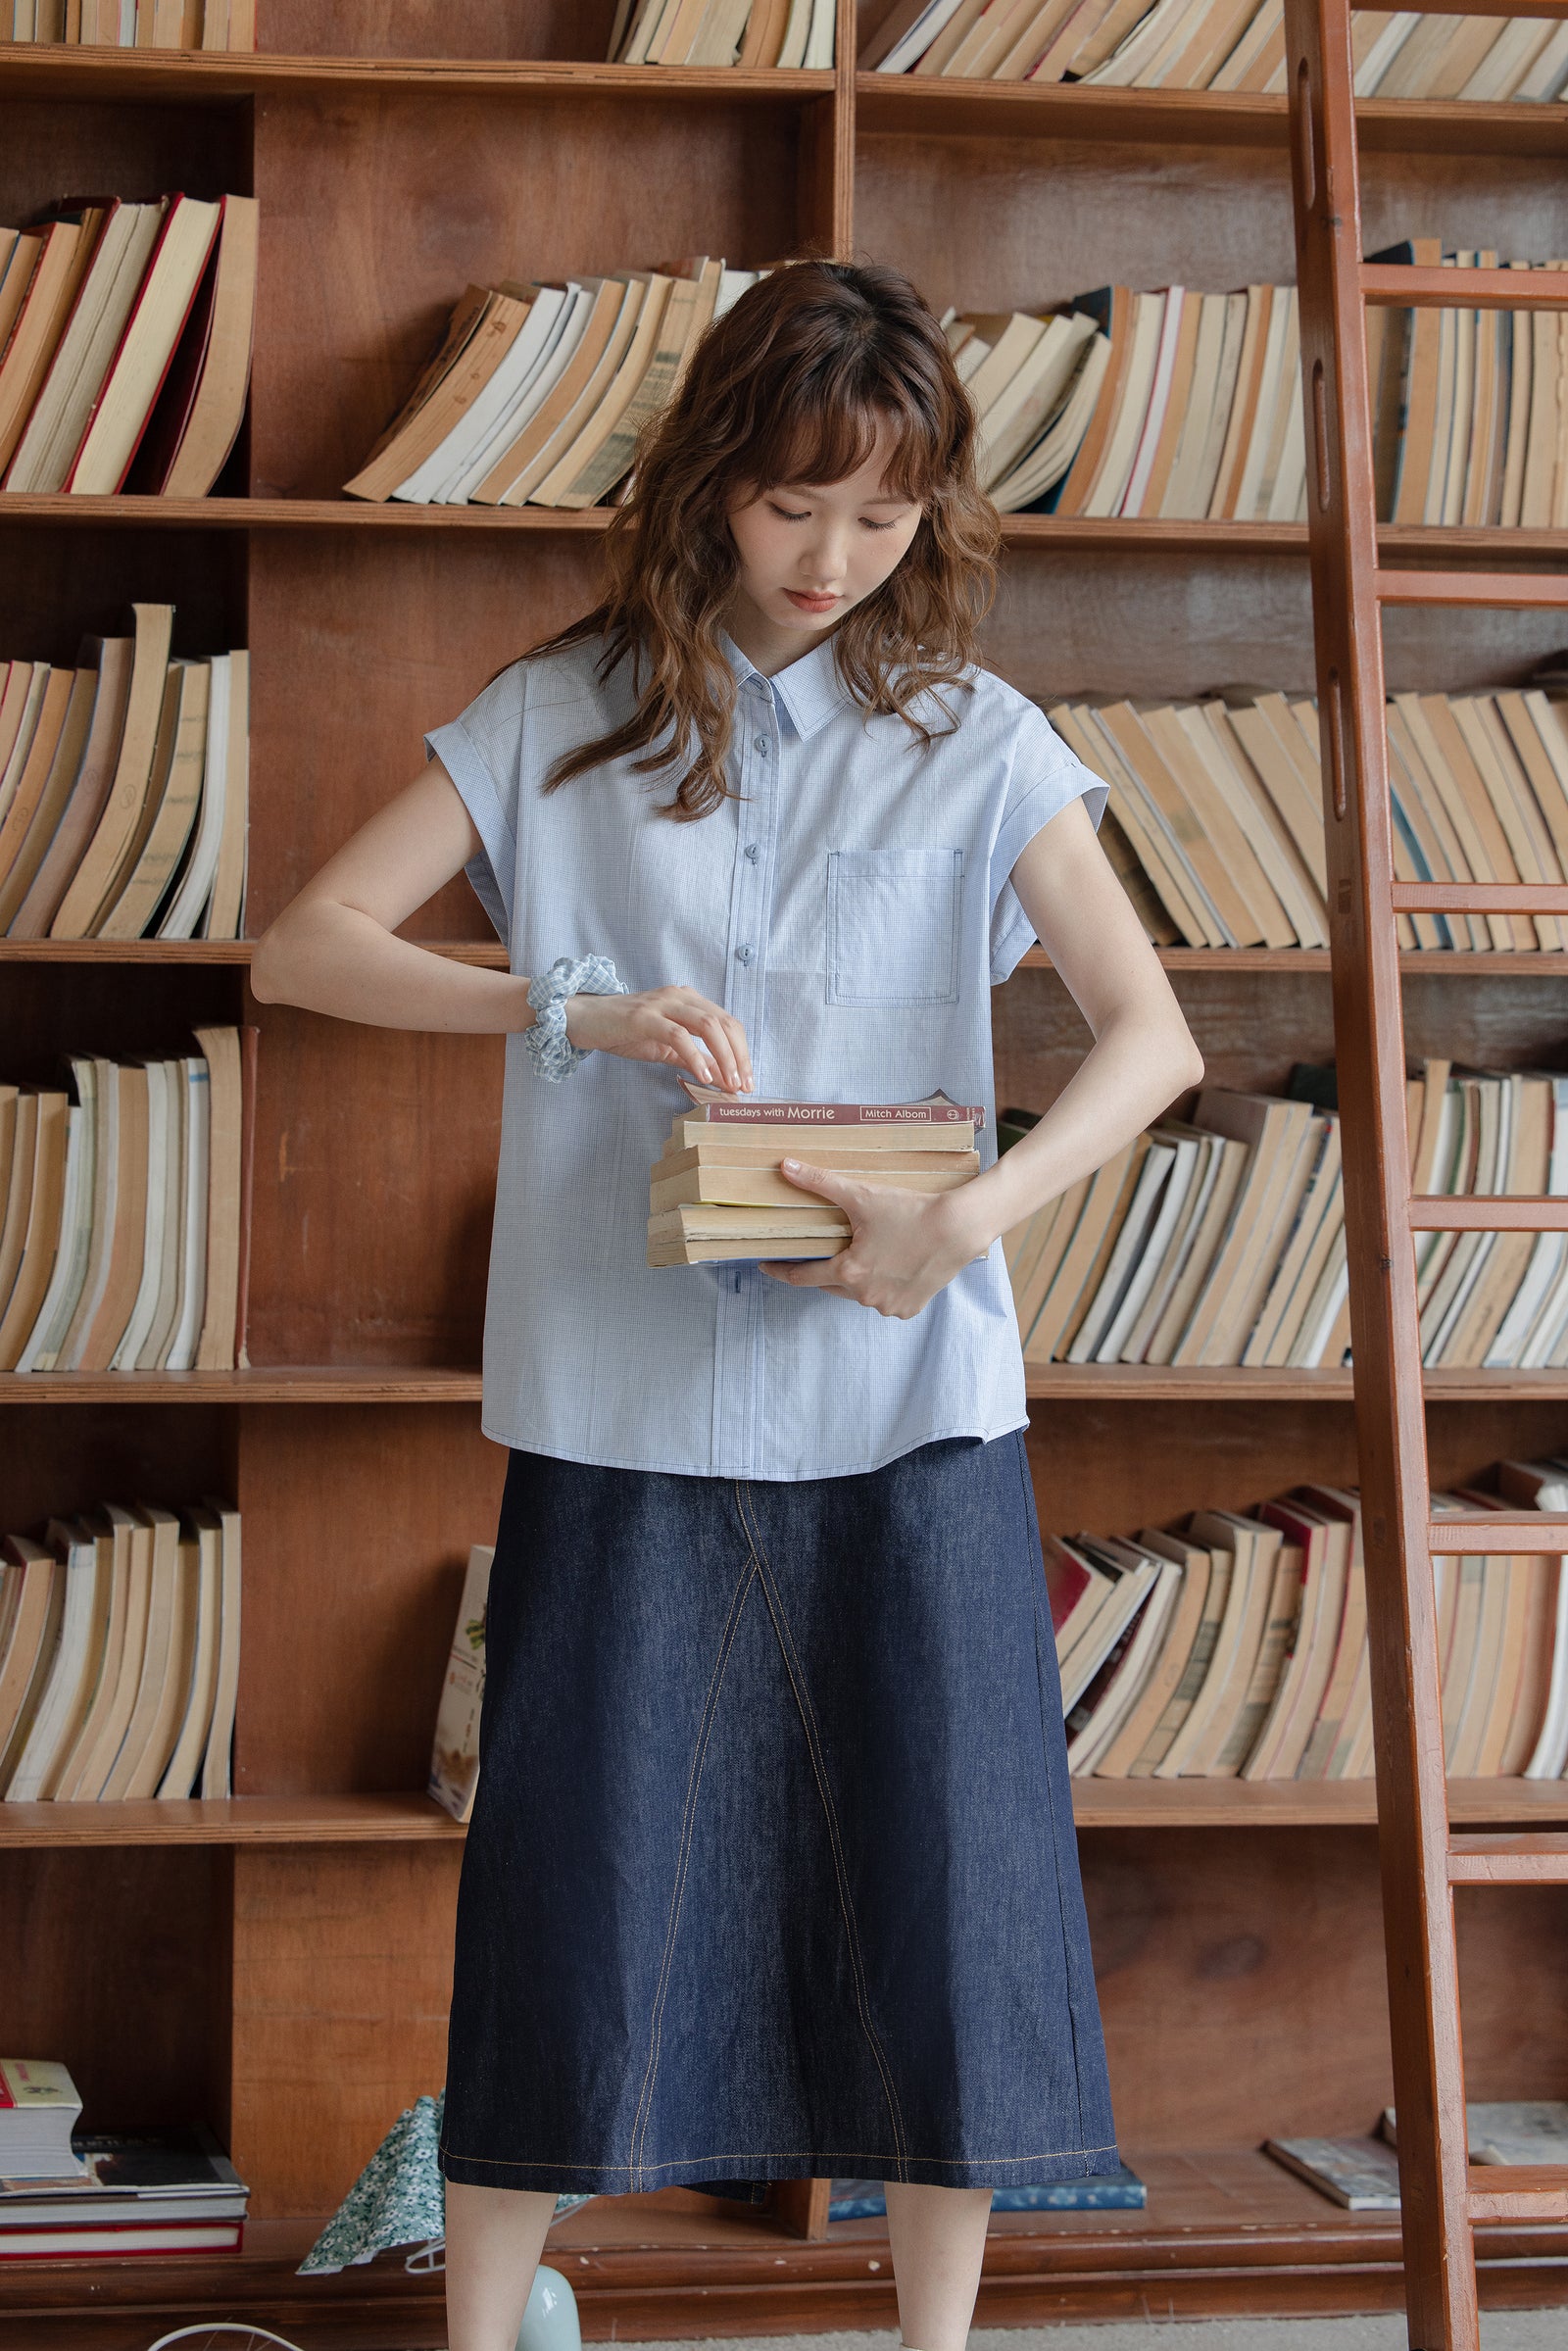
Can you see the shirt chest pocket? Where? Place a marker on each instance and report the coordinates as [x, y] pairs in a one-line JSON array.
[[893, 921]]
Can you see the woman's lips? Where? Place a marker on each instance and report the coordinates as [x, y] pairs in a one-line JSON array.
[[809, 604]]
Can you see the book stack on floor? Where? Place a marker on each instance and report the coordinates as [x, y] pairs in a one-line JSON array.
[[124, 791], [1235, 1645], [223, 25], [1362, 2174], [1187, 406], [66, 2192], [755, 34], [537, 393], [1215, 820], [719, 1190], [125, 1212], [1212, 45], [1219, 1239], [119, 1654], [125, 344]]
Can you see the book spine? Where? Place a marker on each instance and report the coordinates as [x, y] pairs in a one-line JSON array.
[[842, 1114]]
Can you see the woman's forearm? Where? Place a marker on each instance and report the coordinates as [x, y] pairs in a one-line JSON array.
[[1131, 1073], [333, 958]]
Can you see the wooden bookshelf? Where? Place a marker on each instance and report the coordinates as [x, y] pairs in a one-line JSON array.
[[279, 1965]]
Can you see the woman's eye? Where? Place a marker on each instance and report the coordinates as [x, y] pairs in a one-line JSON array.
[[784, 514], [871, 525]]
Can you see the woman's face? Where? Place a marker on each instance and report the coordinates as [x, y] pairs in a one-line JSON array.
[[810, 553]]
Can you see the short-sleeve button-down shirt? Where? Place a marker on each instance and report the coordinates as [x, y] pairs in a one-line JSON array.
[[852, 907]]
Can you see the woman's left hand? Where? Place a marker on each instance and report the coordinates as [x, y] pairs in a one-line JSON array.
[[904, 1246]]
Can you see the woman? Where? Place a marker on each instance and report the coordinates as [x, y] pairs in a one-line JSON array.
[[771, 1872]]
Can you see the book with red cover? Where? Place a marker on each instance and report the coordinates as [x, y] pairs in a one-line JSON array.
[[177, 204]]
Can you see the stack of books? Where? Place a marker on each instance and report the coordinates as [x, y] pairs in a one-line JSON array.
[[537, 393], [1211, 45], [719, 1190], [754, 34], [1235, 1645], [1362, 2174], [125, 344], [1187, 406], [1215, 818], [1219, 1239], [125, 1212], [134, 24], [65, 2192], [119, 1654], [124, 791]]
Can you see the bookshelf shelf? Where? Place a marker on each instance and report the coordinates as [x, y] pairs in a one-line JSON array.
[[910, 106], [1155, 1383], [284, 1383], [188, 75], [410, 1817], [1404, 547]]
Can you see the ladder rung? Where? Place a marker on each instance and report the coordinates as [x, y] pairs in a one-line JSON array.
[[1525, 589], [1487, 1212], [1488, 1859], [1518, 2191], [1478, 898], [1397, 286], [1542, 1534]]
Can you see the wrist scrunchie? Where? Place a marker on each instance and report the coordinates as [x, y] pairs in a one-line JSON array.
[[546, 1045]]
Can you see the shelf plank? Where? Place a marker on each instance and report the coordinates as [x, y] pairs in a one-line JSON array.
[[409, 1816], [397, 1817], [457, 1384], [1227, 962], [50, 71], [900, 105], [262, 1383], [1225, 2229], [1400, 546]]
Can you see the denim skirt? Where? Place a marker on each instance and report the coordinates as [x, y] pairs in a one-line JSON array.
[[771, 1872]]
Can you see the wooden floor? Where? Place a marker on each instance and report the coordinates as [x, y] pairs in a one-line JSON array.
[[1224, 2230]]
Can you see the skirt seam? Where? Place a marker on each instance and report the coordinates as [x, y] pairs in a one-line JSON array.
[[644, 2098], [1028, 1501], [808, 1716]]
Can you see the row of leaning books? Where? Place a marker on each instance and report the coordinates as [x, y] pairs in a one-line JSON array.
[[1211, 45], [1234, 1645], [756, 35], [68, 2192], [1183, 404], [1215, 815], [537, 392], [1219, 1239], [119, 1654], [124, 790], [125, 1211], [225, 24], [125, 344]]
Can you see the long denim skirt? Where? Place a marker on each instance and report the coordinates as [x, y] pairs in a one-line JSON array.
[[771, 1872]]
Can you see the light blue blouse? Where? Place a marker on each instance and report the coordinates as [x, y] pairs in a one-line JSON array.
[[853, 911]]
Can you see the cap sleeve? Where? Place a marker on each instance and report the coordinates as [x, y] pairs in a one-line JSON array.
[[1043, 778], [480, 750]]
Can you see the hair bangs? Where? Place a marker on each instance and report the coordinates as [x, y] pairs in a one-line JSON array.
[[824, 425]]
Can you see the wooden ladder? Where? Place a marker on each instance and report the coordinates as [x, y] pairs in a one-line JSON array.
[[1422, 1860]]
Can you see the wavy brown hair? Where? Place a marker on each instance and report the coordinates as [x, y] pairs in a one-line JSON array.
[[789, 388]]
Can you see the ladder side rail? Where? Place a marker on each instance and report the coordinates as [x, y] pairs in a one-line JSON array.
[[1412, 1795]]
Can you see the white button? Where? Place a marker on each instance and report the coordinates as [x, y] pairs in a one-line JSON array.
[[760, 742], [743, 954], [750, 851]]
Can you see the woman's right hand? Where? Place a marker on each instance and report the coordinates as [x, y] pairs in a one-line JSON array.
[[675, 1025]]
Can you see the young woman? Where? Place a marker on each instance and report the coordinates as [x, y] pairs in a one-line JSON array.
[[771, 1872]]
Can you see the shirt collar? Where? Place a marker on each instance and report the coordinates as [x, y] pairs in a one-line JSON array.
[[811, 689]]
